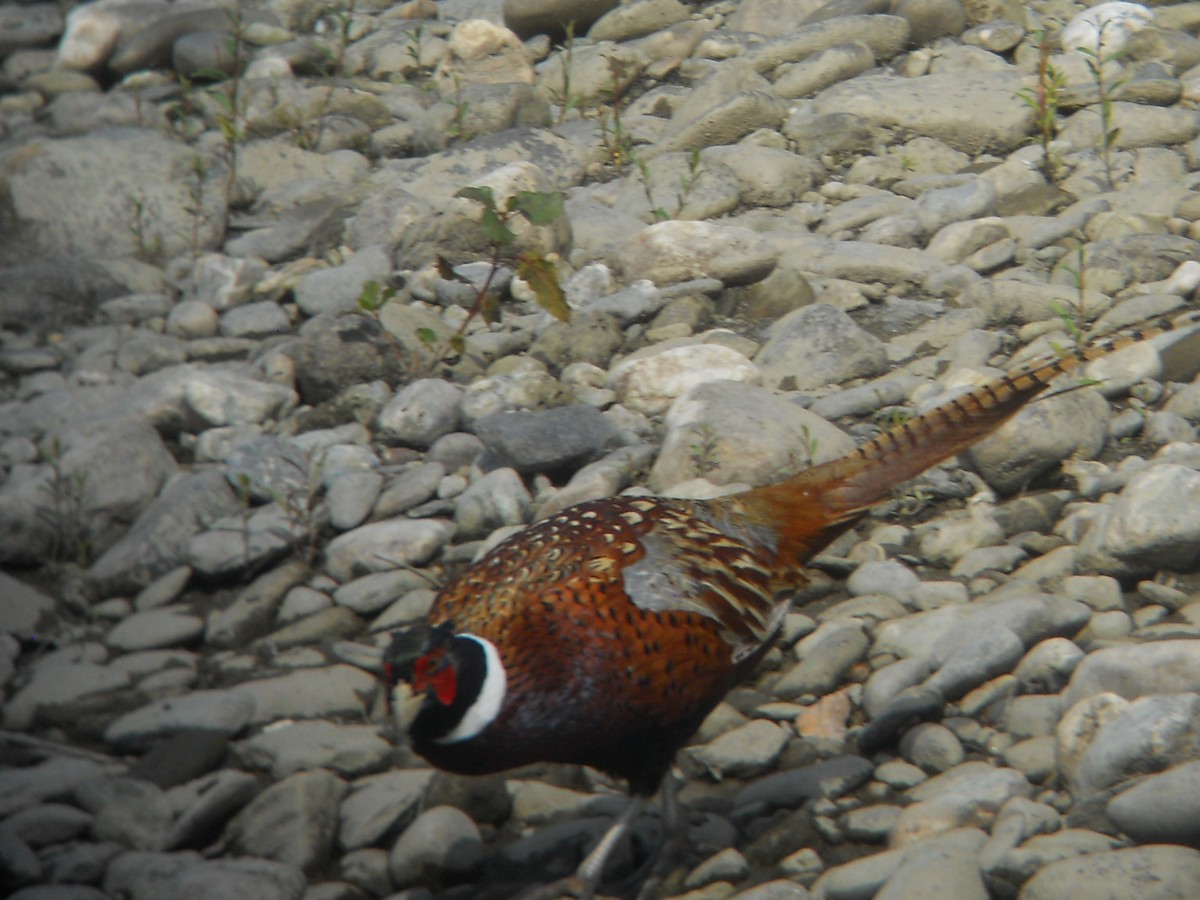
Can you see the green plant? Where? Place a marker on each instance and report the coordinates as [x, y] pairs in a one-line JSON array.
[[538, 208], [458, 122], [618, 144], [567, 100], [149, 246], [230, 102], [1043, 100], [1097, 60], [687, 182], [703, 451], [65, 516], [300, 508], [1075, 318], [309, 135], [195, 202]]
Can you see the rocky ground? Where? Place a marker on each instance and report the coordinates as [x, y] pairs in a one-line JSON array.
[[248, 423]]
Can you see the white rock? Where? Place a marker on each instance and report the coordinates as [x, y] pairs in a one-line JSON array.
[[649, 384]]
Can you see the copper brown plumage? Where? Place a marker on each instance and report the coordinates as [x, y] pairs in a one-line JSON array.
[[604, 634]]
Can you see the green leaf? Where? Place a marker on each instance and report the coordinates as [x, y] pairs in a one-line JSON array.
[[489, 308], [427, 336], [539, 207], [446, 271], [541, 276], [494, 228], [482, 195], [369, 296]]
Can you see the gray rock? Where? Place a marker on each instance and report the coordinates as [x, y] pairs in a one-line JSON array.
[[492, 501], [1015, 866], [970, 112], [649, 384], [746, 750], [1048, 666], [670, 252], [1148, 527], [933, 747], [338, 289], [729, 865], [28, 786], [155, 628], [77, 195], [991, 653], [887, 577], [254, 320], [230, 879], [130, 811], [379, 804], [48, 823], [412, 486], [888, 681], [824, 68], [1141, 126], [379, 546], [946, 862], [705, 437], [371, 593], [330, 691], [420, 413], [1162, 808], [523, 386], [952, 798], [294, 821], [252, 612], [157, 541], [1136, 670], [825, 656], [886, 36], [348, 750], [1040, 436], [832, 778], [1149, 735], [207, 804], [442, 842], [818, 345], [336, 353], [351, 498], [104, 477], [545, 442], [713, 189], [220, 397], [18, 861], [21, 606], [1161, 872], [56, 686], [223, 711]]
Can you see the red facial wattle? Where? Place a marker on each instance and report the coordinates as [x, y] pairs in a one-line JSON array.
[[432, 671]]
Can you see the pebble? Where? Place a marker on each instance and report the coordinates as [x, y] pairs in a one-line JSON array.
[[224, 480]]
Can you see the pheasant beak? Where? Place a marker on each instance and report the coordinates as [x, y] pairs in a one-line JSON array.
[[403, 705]]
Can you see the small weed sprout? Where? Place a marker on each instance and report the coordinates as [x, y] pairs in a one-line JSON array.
[[1074, 319], [703, 451], [1043, 99], [1096, 59], [65, 517], [149, 241]]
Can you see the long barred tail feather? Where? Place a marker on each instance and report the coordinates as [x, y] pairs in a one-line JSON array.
[[812, 507]]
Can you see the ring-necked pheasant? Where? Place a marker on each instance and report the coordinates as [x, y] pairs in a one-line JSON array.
[[604, 634]]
